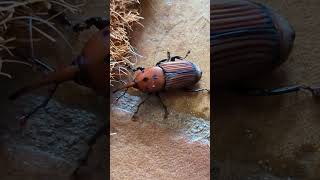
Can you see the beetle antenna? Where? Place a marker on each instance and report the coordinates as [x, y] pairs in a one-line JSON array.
[[187, 54]]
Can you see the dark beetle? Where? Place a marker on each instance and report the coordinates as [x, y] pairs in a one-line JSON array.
[[88, 69], [247, 39], [168, 74]]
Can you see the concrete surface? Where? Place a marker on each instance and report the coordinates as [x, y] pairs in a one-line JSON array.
[[275, 137], [151, 147]]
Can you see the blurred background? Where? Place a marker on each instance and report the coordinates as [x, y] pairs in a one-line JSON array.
[[275, 137], [55, 140]]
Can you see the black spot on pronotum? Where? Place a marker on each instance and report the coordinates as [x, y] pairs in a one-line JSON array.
[[154, 77], [145, 79]]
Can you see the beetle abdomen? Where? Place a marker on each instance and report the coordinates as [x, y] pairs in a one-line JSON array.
[[246, 39], [180, 74]]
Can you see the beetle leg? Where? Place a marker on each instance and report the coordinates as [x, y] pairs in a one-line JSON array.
[[166, 113], [168, 55], [23, 119], [124, 93], [101, 132], [176, 57], [179, 57], [197, 90], [138, 68], [98, 22], [135, 113], [315, 90], [189, 51], [163, 60]]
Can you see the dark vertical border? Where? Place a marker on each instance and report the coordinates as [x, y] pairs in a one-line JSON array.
[[213, 169], [107, 66]]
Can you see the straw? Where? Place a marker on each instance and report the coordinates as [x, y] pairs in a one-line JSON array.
[[123, 14], [30, 14]]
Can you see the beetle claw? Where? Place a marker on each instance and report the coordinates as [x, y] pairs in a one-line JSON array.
[[315, 90]]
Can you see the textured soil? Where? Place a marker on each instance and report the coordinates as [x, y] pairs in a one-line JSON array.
[[275, 137]]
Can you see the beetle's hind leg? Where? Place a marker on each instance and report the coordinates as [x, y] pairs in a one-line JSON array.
[[176, 57], [163, 60], [98, 22], [166, 113], [197, 90]]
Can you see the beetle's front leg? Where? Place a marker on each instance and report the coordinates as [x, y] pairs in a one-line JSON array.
[[166, 113], [23, 119], [137, 110], [138, 68], [98, 22]]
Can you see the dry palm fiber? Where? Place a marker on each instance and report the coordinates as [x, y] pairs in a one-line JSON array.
[[124, 14], [31, 15]]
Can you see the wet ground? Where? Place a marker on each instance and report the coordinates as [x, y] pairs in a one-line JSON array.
[[275, 137], [178, 147], [56, 138]]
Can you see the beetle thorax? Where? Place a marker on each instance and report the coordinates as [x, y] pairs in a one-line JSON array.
[[150, 79]]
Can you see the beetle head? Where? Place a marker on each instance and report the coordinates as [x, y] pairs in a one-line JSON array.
[[147, 80]]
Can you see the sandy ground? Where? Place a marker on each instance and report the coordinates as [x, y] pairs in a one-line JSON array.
[[178, 147], [279, 136]]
